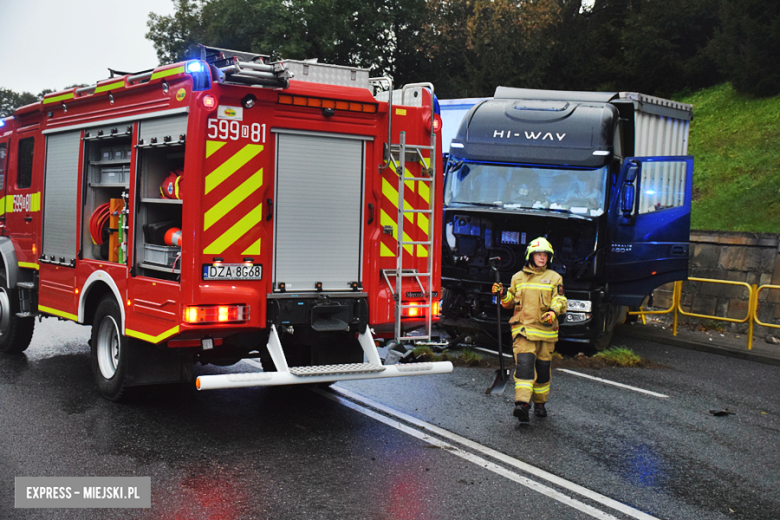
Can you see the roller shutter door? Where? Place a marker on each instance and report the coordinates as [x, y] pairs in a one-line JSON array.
[[318, 223], [60, 196]]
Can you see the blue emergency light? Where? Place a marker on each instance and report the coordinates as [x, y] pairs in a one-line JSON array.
[[201, 78]]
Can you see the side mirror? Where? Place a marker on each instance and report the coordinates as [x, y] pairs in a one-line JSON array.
[[628, 191], [627, 199], [633, 172]]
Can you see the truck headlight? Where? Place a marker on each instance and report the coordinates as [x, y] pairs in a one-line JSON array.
[[579, 306], [574, 317]]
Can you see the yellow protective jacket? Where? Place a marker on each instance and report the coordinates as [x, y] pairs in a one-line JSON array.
[[533, 292]]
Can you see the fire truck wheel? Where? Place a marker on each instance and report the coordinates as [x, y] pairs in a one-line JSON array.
[[109, 350], [15, 332]]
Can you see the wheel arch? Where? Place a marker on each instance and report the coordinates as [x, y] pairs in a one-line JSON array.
[[95, 288], [10, 263]]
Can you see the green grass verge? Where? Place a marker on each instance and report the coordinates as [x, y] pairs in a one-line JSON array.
[[735, 141], [620, 356]]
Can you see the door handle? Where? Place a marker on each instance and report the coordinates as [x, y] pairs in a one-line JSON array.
[[370, 213], [678, 250], [28, 218], [270, 209]]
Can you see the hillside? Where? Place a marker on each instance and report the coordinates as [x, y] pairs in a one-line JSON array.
[[735, 141]]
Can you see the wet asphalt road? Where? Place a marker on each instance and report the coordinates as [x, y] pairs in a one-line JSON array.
[[298, 453]]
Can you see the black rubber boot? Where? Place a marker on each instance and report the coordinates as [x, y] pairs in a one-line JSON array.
[[540, 410], [521, 412]]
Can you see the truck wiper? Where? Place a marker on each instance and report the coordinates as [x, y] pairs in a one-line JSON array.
[[564, 211]]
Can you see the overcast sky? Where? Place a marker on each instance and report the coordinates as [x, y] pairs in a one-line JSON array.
[[55, 43]]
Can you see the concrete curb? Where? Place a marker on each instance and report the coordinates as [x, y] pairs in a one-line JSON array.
[[638, 332]]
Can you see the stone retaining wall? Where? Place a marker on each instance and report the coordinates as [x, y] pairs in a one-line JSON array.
[[738, 257]]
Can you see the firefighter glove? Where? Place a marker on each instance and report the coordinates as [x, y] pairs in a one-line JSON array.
[[498, 288], [548, 317]]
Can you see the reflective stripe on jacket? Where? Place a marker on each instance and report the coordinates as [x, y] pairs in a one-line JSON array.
[[533, 292]]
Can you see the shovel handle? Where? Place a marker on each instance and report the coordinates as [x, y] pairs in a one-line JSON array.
[[494, 261]]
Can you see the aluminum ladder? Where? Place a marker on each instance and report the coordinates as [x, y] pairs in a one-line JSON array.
[[424, 278]]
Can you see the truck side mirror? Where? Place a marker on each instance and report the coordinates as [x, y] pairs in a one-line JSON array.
[[628, 190], [627, 199]]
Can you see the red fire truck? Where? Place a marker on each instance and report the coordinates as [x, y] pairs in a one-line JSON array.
[[225, 208]]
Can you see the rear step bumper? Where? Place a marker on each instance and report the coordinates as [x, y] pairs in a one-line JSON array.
[[288, 378], [320, 374]]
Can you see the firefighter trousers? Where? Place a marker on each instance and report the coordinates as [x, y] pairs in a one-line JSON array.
[[532, 370]]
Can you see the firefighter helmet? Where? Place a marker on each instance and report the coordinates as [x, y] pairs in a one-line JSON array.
[[171, 185], [539, 245]]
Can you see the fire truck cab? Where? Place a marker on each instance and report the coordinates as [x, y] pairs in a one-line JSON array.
[[225, 208]]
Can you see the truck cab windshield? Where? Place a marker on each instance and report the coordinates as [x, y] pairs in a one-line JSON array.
[[515, 187]]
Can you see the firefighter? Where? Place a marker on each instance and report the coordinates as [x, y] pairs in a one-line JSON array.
[[536, 293]]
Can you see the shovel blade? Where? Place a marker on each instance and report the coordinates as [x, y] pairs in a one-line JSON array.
[[500, 380]]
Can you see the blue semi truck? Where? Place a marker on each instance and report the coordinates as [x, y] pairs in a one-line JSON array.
[[605, 176]]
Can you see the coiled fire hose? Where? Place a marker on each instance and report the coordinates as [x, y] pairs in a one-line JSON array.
[[98, 222]]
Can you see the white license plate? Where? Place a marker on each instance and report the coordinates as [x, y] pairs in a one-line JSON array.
[[232, 272]]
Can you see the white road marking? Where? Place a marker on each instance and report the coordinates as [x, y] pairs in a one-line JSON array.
[[495, 352], [613, 383], [541, 488]]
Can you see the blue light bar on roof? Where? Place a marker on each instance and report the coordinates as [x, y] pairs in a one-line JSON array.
[[201, 76], [194, 66]]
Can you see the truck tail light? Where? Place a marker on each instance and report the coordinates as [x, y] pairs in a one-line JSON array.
[[209, 102], [201, 314]]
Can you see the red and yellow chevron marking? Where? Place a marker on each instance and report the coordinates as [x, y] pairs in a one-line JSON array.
[[233, 190], [416, 196]]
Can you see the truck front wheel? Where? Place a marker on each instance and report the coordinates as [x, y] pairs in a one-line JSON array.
[[15, 332], [109, 350]]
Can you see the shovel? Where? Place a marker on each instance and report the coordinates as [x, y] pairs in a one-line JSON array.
[[502, 375]]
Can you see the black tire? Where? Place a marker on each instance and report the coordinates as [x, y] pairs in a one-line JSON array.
[[109, 351], [15, 332]]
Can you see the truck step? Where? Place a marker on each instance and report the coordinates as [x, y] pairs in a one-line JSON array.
[[327, 370], [26, 285], [26, 314]]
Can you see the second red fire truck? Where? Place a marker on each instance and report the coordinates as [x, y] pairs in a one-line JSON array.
[[225, 208]]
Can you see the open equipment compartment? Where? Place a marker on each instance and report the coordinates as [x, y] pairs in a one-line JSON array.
[[160, 147], [107, 169]]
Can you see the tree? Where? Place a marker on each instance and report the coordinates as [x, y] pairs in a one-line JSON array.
[[376, 34], [476, 45], [10, 101], [747, 45], [176, 36]]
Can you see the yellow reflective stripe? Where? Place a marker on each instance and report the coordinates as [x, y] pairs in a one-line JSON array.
[[61, 97], [35, 202], [385, 220], [543, 333], [254, 249], [55, 312], [233, 199], [422, 223], [28, 265], [424, 191], [385, 251], [524, 384], [149, 338], [110, 86], [533, 286], [213, 146], [9, 204], [507, 298], [542, 389], [238, 230], [167, 72], [232, 165], [392, 194], [3, 202]]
